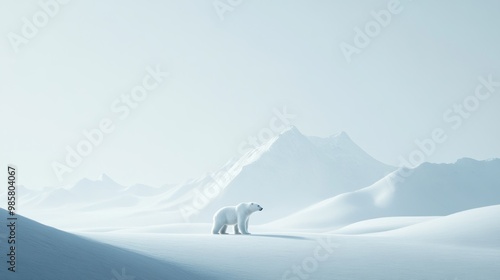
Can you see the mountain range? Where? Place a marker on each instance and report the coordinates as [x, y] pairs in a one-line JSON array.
[[300, 181], [430, 190]]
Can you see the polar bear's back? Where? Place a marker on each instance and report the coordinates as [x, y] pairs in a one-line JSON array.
[[227, 214]]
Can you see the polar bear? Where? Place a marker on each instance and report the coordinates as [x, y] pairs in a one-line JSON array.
[[234, 215]]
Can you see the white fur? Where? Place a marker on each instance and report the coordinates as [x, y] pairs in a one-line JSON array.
[[236, 216]]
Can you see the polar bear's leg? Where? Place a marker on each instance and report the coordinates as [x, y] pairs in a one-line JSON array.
[[223, 229], [236, 231], [242, 226], [247, 225], [217, 227]]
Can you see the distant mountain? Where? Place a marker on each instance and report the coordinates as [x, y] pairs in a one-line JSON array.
[[293, 171], [285, 174], [428, 190], [86, 193]]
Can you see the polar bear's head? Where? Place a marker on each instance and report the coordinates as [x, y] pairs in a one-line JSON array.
[[253, 207]]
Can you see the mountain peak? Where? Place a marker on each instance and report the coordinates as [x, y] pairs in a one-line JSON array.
[[291, 130], [341, 134], [341, 138], [103, 182], [466, 160], [288, 141], [105, 178]]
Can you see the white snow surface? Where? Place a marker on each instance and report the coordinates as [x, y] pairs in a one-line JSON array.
[[428, 190], [44, 253], [284, 175], [450, 247], [330, 212], [380, 225], [464, 245]]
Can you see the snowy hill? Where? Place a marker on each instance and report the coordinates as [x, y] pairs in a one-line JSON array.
[[47, 253], [477, 227], [293, 171], [460, 246], [381, 224], [430, 190], [285, 174]]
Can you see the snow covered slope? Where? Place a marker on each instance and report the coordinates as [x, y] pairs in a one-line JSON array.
[[430, 190], [47, 253], [285, 174], [381, 225], [464, 246], [479, 227], [294, 171], [460, 246]]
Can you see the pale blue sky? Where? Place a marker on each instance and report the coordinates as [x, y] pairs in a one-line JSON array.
[[227, 77]]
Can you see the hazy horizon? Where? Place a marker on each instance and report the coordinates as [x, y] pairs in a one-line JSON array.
[[229, 79]]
